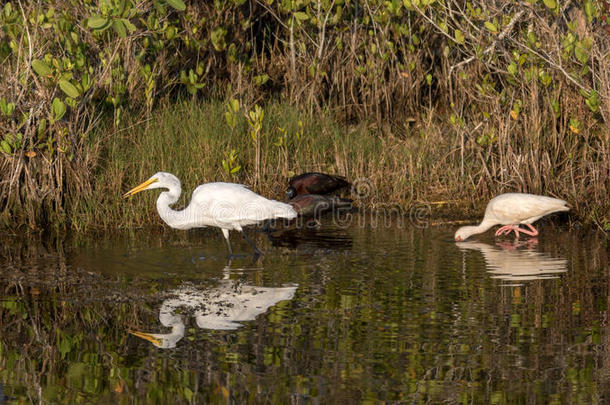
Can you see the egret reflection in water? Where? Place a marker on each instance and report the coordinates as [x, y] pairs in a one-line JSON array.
[[515, 263], [222, 307]]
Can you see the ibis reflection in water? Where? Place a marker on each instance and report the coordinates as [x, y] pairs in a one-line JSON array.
[[222, 307], [517, 262]]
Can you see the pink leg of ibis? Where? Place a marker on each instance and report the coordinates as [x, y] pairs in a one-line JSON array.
[[534, 231], [504, 230]]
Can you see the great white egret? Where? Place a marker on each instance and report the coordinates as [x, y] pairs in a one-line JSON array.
[[227, 206], [512, 209], [315, 183], [220, 308]]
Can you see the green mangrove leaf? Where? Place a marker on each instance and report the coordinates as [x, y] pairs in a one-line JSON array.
[[69, 88], [234, 104], [119, 28], [97, 22], [65, 346], [552, 4], [188, 394], [491, 27], [177, 4], [581, 52], [6, 108], [130, 27], [218, 38], [555, 106], [6, 148], [574, 125], [70, 102], [593, 101], [42, 127], [590, 10], [41, 68], [512, 68], [459, 37], [86, 81], [545, 78], [58, 109], [301, 16], [170, 33], [259, 80]]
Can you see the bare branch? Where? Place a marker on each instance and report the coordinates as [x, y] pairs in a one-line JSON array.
[[491, 46]]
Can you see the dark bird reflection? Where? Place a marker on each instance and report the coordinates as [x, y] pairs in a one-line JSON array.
[[314, 205], [311, 239], [222, 307], [517, 261]]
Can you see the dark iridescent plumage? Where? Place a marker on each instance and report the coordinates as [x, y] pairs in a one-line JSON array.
[[315, 183]]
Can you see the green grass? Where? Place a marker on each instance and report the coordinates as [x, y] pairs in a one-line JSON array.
[[409, 166]]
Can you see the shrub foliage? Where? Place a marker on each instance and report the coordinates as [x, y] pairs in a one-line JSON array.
[[520, 88]]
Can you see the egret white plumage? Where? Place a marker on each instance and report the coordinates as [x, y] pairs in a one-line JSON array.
[[512, 209], [227, 206], [222, 307]]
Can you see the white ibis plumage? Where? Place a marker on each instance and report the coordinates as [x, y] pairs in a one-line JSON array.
[[511, 210]]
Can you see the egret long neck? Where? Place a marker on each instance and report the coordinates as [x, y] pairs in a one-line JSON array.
[[173, 218]]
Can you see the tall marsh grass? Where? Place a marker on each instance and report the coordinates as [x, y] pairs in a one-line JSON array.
[[430, 161]]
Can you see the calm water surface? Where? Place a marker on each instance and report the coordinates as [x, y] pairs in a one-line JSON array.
[[366, 314]]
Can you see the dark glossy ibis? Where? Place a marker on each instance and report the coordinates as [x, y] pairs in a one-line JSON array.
[[315, 183]]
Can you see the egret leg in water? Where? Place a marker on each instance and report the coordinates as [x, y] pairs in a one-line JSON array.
[[257, 251]]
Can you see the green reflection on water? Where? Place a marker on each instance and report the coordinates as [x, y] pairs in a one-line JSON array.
[[379, 314]]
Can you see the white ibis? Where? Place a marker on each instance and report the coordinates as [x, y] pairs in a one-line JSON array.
[[512, 209]]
